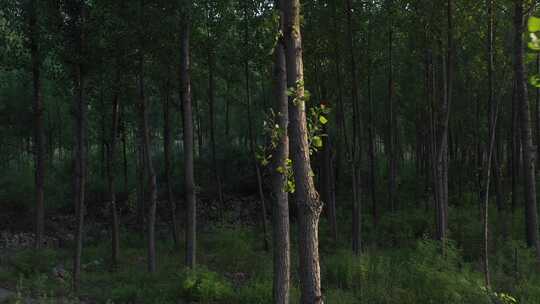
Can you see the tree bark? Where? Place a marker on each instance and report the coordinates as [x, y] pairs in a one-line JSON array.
[[167, 160], [211, 114], [39, 135], [354, 151], [391, 153], [152, 185], [529, 152], [250, 131], [189, 179], [111, 152], [280, 210], [80, 151], [307, 198]]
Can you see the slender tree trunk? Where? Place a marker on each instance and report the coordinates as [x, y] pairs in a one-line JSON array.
[[371, 134], [391, 153], [39, 135], [514, 136], [492, 127], [189, 179], [111, 152], [211, 114], [152, 185], [529, 152], [282, 245], [307, 198], [80, 149], [250, 131], [537, 110], [124, 149], [167, 157], [354, 153]]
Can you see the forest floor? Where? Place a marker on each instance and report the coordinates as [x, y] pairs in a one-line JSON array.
[[400, 263]]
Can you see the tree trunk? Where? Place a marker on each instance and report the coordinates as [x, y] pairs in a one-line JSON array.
[[167, 158], [80, 149], [80, 171], [152, 185], [280, 210], [111, 150], [391, 153], [307, 198], [189, 179], [529, 152], [39, 135], [211, 114], [492, 127], [250, 131], [354, 151], [371, 135]]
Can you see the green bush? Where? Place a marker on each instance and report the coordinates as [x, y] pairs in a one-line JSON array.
[[205, 286]]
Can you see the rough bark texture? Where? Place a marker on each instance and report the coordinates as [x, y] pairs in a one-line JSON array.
[[307, 198], [280, 210], [189, 179], [529, 152]]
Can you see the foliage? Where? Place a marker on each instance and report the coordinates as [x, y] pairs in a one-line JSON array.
[[204, 286]]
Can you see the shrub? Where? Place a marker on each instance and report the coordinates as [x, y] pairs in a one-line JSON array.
[[205, 286]]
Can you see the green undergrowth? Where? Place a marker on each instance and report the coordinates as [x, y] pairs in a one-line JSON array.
[[235, 268]]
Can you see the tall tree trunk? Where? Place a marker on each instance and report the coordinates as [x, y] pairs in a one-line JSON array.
[[189, 179], [211, 114], [307, 198], [167, 157], [442, 148], [250, 131], [531, 214], [515, 144], [354, 151], [371, 134], [391, 153], [39, 146], [537, 110], [124, 148], [152, 185], [111, 152], [492, 127], [80, 110], [280, 210]]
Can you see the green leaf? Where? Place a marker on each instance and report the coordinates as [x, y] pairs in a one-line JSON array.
[[323, 120], [535, 81], [534, 24], [317, 141]]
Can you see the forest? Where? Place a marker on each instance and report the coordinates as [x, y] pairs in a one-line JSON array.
[[269, 151]]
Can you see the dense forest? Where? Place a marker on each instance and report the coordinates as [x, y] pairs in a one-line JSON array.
[[269, 151]]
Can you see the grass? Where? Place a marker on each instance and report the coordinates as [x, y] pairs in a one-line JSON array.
[[400, 264]]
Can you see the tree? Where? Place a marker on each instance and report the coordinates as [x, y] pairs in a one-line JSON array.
[[111, 152], [77, 40], [307, 198], [354, 149], [39, 136], [282, 245], [189, 180], [522, 105], [167, 157]]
